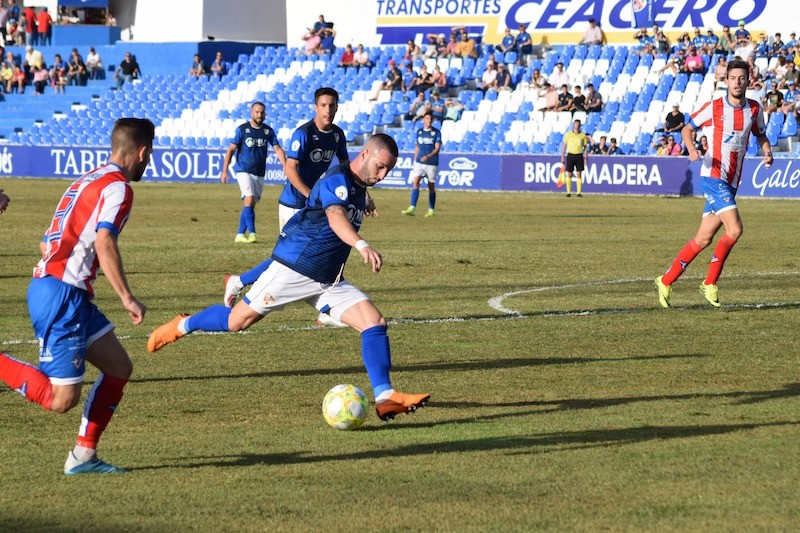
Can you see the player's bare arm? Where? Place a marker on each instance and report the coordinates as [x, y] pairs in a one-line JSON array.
[[281, 153], [293, 175], [767, 148], [110, 262], [341, 226], [226, 163]]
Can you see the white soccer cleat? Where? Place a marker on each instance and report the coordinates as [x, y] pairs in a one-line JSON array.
[[326, 320], [233, 287]]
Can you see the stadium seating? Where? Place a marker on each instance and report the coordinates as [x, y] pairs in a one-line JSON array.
[[202, 113]]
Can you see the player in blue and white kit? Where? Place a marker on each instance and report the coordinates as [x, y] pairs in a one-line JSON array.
[[426, 164], [308, 266], [311, 150], [251, 143]]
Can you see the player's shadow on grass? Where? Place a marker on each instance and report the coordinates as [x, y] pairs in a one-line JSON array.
[[491, 364], [535, 444]]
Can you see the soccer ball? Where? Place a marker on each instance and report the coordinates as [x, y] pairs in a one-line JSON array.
[[345, 407]]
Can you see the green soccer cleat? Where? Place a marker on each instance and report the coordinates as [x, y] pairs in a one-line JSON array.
[[711, 294], [663, 292], [252, 238], [410, 211], [430, 213], [240, 238]]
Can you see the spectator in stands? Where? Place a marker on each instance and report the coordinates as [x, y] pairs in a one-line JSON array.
[[11, 60], [361, 57], [673, 148], [594, 101], [648, 49], [311, 40], [550, 98], [780, 69], [661, 146], [755, 70], [327, 37], [524, 44], [509, 42], [762, 46], [441, 46], [218, 66], [711, 41], [742, 36], [662, 44], [791, 99], [503, 81], [424, 80], [453, 109], [40, 79], [643, 38], [13, 9], [197, 69], [600, 147], [94, 64], [725, 45], [44, 25], [393, 81], [128, 69], [430, 50], [677, 63], [759, 92], [18, 80], [58, 71], [458, 31], [76, 69], [674, 121], [318, 25], [467, 46], [31, 37], [792, 42], [593, 34], [4, 16], [14, 34], [488, 78], [439, 79], [773, 100], [417, 107], [537, 83], [694, 63], [699, 40], [408, 54], [703, 148], [409, 78], [6, 74], [436, 104], [34, 58], [578, 100], [720, 71], [613, 149], [111, 20], [564, 99], [348, 57], [558, 77], [452, 46], [684, 42]]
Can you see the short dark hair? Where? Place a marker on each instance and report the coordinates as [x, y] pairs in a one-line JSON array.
[[385, 142], [257, 103], [738, 63], [326, 91], [130, 133]]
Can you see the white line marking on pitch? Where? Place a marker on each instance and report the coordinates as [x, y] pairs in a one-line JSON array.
[[496, 302]]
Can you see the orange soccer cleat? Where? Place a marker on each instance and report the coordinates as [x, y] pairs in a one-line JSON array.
[[398, 403], [165, 334]]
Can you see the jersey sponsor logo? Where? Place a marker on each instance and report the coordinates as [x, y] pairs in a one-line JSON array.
[[355, 216], [6, 165], [341, 192], [317, 155]]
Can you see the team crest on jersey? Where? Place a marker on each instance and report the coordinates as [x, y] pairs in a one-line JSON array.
[[269, 299], [247, 130], [336, 137], [295, 146], [76, 361], [341, 192]]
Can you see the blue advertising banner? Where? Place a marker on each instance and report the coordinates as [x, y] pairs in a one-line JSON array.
[[604, 174], [83, 3]]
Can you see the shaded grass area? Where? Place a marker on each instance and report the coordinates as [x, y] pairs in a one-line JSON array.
[[590, 408]]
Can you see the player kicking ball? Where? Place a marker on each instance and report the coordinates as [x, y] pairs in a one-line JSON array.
[[308, 265], [729, 120]]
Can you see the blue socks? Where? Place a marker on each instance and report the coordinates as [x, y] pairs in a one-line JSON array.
[[242, 223], [249, 214], [414, 197], [377, 358], [432, 199], [250, 277], [214, 318]]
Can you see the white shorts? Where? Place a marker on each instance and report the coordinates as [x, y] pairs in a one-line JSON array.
[[429, 172], [280, 286], [284, 214], [250, 184]]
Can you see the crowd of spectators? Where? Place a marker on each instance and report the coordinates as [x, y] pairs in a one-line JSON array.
[[29, 27]]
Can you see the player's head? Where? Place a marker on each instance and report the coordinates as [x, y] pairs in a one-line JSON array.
[[737, 77], [326, 102], [576, 125], [131, 146], [376, 159], [427, 119], [257, 113]]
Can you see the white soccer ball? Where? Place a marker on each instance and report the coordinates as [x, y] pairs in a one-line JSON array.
[[345, 407]]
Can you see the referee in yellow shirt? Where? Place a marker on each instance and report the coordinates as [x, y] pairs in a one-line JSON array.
[[576, 149]]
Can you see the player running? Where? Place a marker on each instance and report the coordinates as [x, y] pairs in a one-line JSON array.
[[250, 143], [70, 328], [728, 122], [308, 265], [426, 163]]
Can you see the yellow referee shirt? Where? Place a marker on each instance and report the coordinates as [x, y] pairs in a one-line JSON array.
[[576, 142]]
